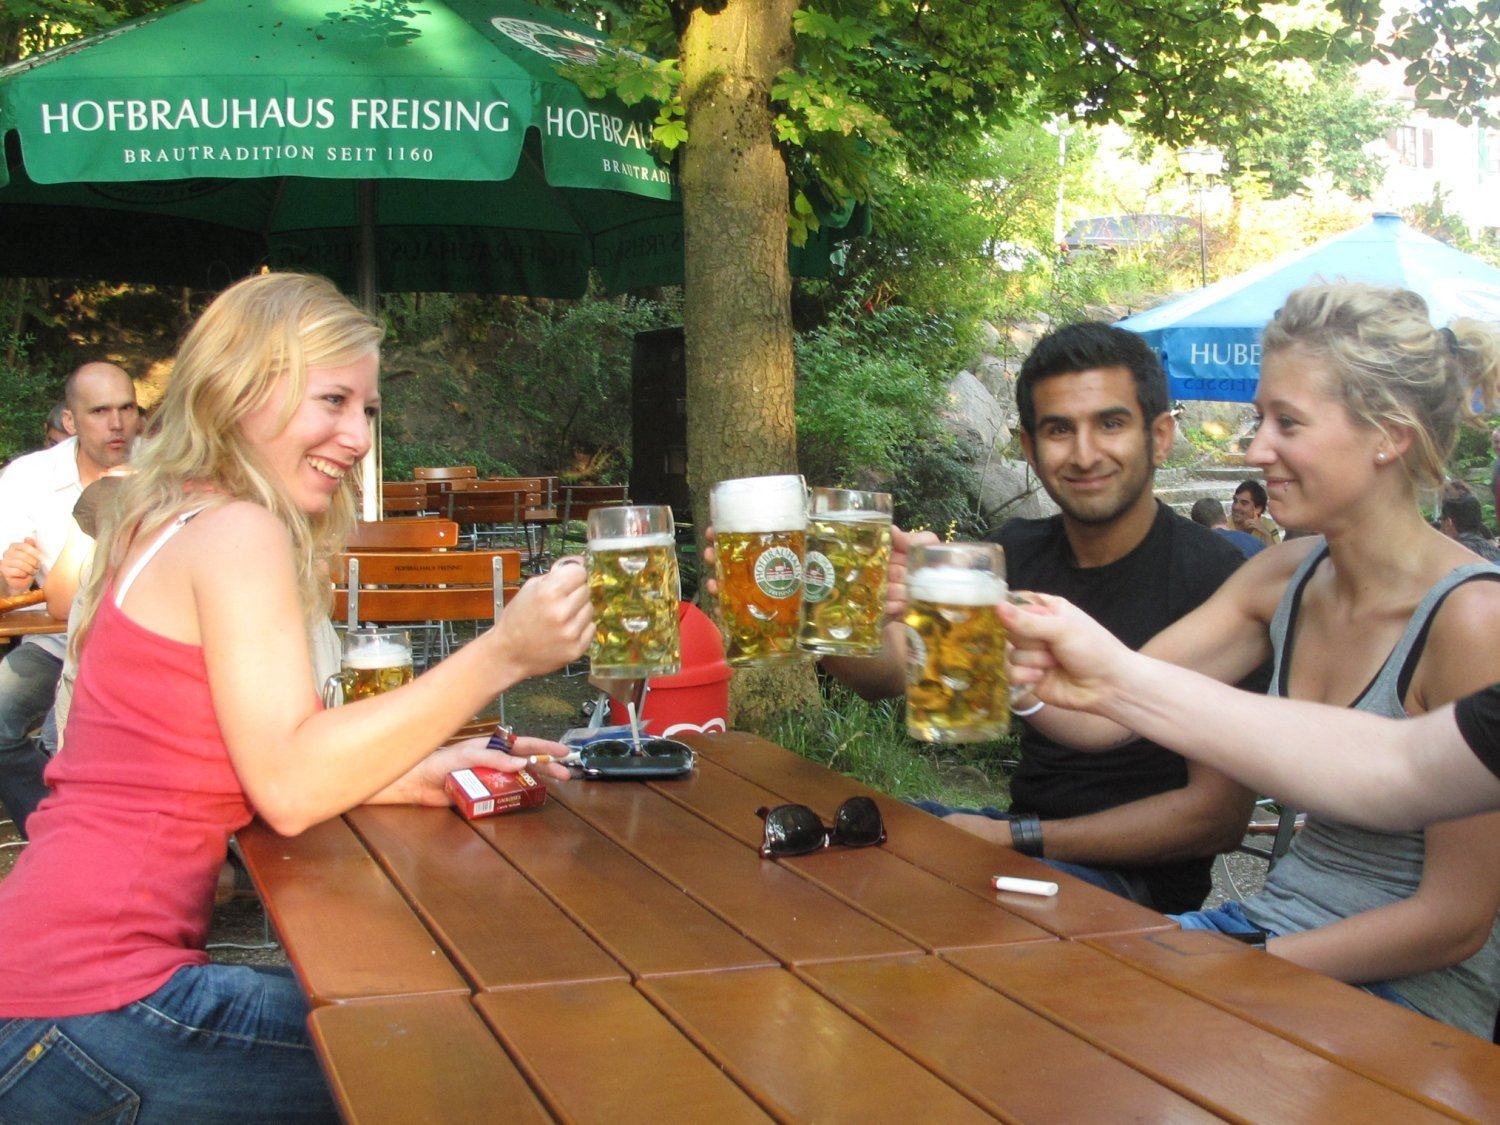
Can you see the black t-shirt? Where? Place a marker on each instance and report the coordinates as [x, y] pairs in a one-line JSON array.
[[1173, 571], [1478, 718]]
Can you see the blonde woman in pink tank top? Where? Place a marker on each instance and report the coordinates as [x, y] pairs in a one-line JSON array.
[[195, 709]]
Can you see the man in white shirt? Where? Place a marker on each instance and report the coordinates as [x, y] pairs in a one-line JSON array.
[[37, 494]]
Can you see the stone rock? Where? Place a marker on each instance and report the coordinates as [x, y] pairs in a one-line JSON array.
[[974, 414], [1008, 489], [995, 374]]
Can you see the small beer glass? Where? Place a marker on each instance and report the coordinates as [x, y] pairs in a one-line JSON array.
[[375, 660], [956, 688], [844, 572], [760, 528], [634, 587]]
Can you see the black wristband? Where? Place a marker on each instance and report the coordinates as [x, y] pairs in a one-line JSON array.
[[1026, 834]]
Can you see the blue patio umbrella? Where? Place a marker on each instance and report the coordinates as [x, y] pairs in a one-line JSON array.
[[1209, 341]]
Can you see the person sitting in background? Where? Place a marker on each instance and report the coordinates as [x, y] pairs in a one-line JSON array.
[[37, 494], [1463, 519], [1210, 513], [1249, 512], [196, 707], [1361, 399], [56, 429]]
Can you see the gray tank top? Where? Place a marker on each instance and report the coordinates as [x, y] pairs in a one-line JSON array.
[[1334, 870]]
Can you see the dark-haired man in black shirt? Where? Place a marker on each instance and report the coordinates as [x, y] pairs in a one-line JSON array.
[[1139, 820]]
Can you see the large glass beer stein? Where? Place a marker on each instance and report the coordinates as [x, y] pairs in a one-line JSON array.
[[956, 688], [844, 572], [375, 660], [760, 525], [634, 587]]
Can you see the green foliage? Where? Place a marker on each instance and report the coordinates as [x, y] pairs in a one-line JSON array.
[[28, 389], [513, 386], [1307, 123], [867, 389], [867, 740], [399, 458], [1472, 452]]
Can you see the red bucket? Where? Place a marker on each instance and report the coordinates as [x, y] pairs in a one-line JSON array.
[[696, 698]]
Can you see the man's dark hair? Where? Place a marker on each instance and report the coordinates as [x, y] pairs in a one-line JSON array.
[[1209, 512], [1466, 514], [1257, 493], [1083, 347]]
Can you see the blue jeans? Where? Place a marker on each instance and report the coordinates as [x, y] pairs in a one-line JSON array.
[[1126, 884], [1230, 918], [28, 684], [216, 1043]]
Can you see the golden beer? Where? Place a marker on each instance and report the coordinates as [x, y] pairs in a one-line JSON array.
[[760, 595], [375, 661], [634, 587], [956, 689], [369, 677], [760, 530], [844, 573]]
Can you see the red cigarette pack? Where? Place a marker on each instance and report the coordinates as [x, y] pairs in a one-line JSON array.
[[480, 791]]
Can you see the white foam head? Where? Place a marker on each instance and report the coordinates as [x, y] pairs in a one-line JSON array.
[[758, 504], [955, 585], [377, 654], [632, 542]]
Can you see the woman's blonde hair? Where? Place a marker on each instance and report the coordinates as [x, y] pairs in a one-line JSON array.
[[1390, 366], [258, 336]]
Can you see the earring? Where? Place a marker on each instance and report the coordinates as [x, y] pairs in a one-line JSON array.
[[1380, 457]]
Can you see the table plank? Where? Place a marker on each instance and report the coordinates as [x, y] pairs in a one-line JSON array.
[[1217, 1059], [498, 928], [419, 1059], [1416, 1055], [923, 907], [30, 621], [799, 1054], [601, 1052], [925, 841], [643, 920], [347, 930], [786, 915], [1002, 1055]]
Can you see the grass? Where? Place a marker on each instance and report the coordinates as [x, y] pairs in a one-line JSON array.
[[868, 741]]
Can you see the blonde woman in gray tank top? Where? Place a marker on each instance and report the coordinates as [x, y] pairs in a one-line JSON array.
[[1360, 399]]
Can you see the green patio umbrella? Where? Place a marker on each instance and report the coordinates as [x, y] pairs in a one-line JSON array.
[[392, 146]]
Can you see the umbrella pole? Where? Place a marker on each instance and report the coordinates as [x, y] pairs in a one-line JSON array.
[[369, 467]]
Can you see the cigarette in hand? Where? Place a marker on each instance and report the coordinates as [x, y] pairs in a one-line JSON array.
[[1024, 886]]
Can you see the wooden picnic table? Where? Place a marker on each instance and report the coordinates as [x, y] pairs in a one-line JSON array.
[[623, 953], [29, 621]]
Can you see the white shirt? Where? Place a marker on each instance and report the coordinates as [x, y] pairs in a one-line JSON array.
[[37, 494]]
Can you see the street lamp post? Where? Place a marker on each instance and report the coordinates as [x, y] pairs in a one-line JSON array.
[[1199, 166]]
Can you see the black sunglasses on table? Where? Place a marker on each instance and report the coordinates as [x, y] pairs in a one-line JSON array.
[[797, 830]]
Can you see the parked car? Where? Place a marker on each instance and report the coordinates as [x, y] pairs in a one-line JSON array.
[[1111, 233]]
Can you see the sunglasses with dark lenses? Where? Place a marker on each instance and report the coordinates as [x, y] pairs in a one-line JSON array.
[[797, 830]]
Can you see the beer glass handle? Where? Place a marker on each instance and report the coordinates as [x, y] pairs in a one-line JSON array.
[[335, 689]]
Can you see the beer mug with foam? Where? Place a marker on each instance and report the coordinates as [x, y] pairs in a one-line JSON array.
[[375, 660], [634, 587], [956, 689], [844, 572], [760, 527]]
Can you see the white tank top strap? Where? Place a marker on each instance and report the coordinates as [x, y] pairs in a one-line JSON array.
[[122, 587]]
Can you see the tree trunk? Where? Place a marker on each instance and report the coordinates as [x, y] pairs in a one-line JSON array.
[[737, 316]]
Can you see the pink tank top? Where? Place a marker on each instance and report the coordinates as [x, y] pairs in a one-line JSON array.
[[114, 893]]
